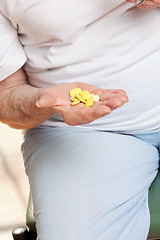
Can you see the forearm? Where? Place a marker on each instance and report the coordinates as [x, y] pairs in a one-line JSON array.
[[19, 110], [17, 104]]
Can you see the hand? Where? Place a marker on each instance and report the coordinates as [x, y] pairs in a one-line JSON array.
[[58, 98], [148, 4]]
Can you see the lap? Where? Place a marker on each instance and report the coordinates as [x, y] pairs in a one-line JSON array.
[[84, 182]]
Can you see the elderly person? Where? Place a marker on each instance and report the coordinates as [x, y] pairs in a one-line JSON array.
[[89, 168]]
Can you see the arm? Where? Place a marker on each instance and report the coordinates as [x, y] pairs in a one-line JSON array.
[[19, 110], [17, 103], [18, 99]]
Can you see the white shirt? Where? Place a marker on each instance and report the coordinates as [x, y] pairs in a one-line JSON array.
[[111, 44]]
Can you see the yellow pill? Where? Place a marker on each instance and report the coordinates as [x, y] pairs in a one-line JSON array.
[[85, 94], [75, 91], [75, 102], [80, 98], [89, 102], [96, 98]]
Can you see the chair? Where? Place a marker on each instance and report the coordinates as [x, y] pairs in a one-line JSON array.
[[154, 206], [29, 232]]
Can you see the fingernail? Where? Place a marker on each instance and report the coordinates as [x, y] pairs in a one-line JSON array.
[[127, 101], [109, 111], [37, 104]]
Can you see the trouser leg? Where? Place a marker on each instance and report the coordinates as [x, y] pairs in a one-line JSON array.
[[89, 185]]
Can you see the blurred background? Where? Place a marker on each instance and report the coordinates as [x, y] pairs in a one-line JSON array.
[[14, 187]]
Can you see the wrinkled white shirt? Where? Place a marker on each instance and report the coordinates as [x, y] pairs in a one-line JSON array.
[[111, 44]]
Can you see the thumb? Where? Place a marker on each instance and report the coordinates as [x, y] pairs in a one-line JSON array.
[[46, 100]]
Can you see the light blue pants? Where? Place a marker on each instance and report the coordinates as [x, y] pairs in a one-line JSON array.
[[89, 184]]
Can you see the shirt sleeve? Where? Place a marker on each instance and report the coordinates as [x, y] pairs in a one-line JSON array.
[[12, 55]]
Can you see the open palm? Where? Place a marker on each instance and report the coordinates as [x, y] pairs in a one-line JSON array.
[[58, 97]]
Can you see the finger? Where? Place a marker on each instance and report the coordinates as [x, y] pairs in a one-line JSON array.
[[113, 91], [114, 103], [101, 111], [94, 89], [116, 91], [147, 5], [123, 97], [107, 96], [94, 113]]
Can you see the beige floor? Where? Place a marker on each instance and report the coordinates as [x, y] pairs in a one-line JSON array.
[[14, 186]]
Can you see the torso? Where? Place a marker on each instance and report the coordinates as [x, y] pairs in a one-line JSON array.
[[110, 44]]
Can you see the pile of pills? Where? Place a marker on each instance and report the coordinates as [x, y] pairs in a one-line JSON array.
[[77, 96]]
